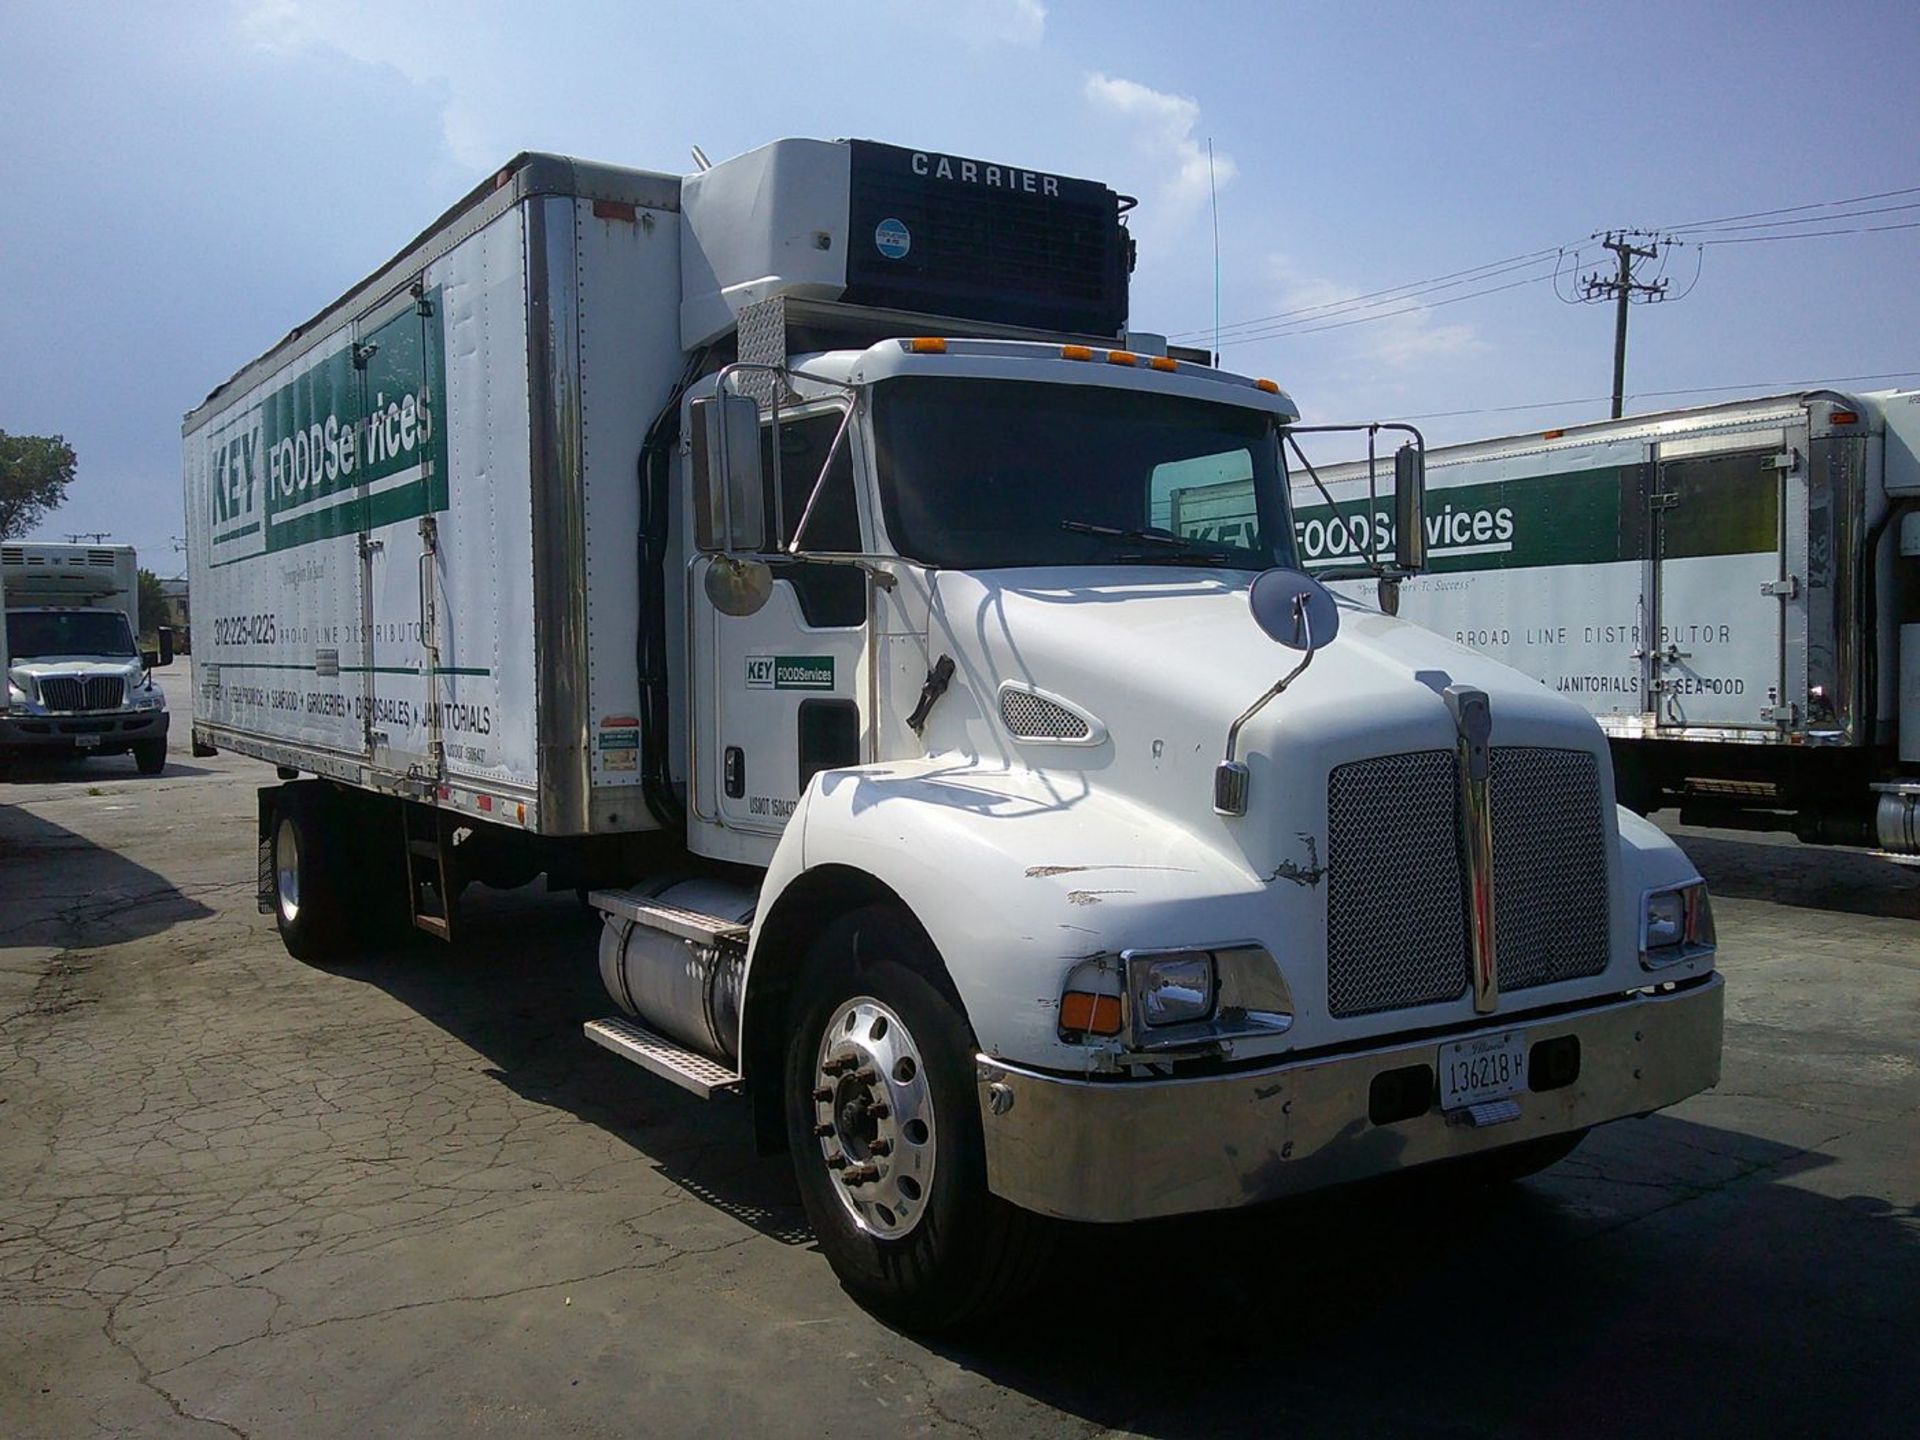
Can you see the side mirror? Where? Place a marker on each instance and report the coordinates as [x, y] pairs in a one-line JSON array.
[[164, 634], [729, 489], [1294, 610], [150, 659], [1410, 508]]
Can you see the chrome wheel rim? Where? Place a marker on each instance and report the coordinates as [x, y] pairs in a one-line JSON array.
[[873, 1117], [286, 870]]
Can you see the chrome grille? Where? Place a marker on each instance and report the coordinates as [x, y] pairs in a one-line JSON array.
[[1549, 866], [83, 692], [1396, 909], [1395, 926], [1032, 717]]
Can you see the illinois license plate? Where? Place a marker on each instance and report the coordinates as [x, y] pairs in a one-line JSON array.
[[1487, 1067]]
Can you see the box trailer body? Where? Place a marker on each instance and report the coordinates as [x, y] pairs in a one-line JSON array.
[[1730, 589], [77, 682], [786, 556]]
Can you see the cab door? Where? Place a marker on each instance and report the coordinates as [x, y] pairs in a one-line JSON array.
[[785, 687], [1714, 648]]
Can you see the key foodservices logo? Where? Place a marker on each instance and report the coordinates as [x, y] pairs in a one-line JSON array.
[[352, 442], [790, 672]]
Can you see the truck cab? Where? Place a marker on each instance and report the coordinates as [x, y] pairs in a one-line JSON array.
[[77, 682]]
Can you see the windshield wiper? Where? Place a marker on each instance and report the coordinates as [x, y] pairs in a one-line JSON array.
[[1180, 546]]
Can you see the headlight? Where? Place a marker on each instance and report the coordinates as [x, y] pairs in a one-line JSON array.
[[1676, 925], [1173, 989], [16, 695]]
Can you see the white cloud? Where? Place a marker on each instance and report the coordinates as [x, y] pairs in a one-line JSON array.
[[1398, 332], [1163, 128]]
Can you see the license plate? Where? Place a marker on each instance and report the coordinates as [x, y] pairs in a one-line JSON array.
[[86, 742], [1487, 1067]]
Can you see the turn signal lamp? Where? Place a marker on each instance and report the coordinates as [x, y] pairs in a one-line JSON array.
[[927, 345], [1090, 1014]]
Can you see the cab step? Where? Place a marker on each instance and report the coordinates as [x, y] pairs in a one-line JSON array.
[[666, 1058], [692, 925]]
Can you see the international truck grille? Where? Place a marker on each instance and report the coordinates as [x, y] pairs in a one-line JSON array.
[[83, 692], [1396, 895]]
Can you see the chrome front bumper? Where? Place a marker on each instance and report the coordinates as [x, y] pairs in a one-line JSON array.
[[1113, 1150]]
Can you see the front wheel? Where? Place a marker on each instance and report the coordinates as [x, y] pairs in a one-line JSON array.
[[884, 1128]]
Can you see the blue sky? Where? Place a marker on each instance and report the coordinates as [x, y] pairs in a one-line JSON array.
[[187, 182]]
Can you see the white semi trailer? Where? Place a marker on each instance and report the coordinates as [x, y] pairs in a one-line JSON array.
[[1732, 590], [783, 554], [77, 681]]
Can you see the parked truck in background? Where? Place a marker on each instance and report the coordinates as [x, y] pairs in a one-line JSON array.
[[77, 682], [1732, 590], [784, 555]]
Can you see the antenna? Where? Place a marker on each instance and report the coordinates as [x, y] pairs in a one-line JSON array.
[[700, 160], [1213, 193]]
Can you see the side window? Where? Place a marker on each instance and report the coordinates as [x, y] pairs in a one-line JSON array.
[[835, 527], [1209, 497]]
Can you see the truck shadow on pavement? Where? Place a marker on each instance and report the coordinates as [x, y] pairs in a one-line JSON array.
[[62, 891], [1807, 877], [1669, 1278]]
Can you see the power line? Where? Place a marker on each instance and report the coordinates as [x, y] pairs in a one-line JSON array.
[[1810, 219], [1795, 209], [1383, 296], [1809, 234], [1289, 331]]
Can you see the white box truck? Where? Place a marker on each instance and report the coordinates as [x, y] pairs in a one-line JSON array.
[[77, 682], [784, 554], [1732, 590]]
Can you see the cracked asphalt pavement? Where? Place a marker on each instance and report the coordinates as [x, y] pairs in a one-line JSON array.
[[239, 1195]]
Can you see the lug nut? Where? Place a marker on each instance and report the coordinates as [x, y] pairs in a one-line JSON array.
[[867, 1075], [860, 1175], [879, 1110], [823, 1095], [823, 1130], [881, 1146], [839, 1065], [837, 1161]]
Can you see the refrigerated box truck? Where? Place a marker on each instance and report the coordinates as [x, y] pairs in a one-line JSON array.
[[77, 682], [1731, 590], [782, 555]]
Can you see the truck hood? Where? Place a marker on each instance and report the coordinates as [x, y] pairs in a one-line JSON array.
[[79, 665], [1165, 661]]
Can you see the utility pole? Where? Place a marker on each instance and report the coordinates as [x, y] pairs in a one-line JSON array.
[[1623, 288]]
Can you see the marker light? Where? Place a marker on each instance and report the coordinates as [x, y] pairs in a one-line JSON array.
[[927, 345], [1844, 417], [1075, 352], [1122, 357], [1090, 1014], [1162, 362], [1267, 385]]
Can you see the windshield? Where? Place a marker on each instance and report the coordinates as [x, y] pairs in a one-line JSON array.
[[977, 474], [32, 634]]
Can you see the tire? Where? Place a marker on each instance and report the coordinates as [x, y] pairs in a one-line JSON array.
[[306, 874], [150, 756], [919, 1240]]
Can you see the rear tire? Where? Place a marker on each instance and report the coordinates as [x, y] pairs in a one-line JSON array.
[[919, 1240], [150, 756], [307, 871]]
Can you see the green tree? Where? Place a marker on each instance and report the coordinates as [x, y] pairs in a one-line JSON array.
[[35, 471], [155, 610]]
